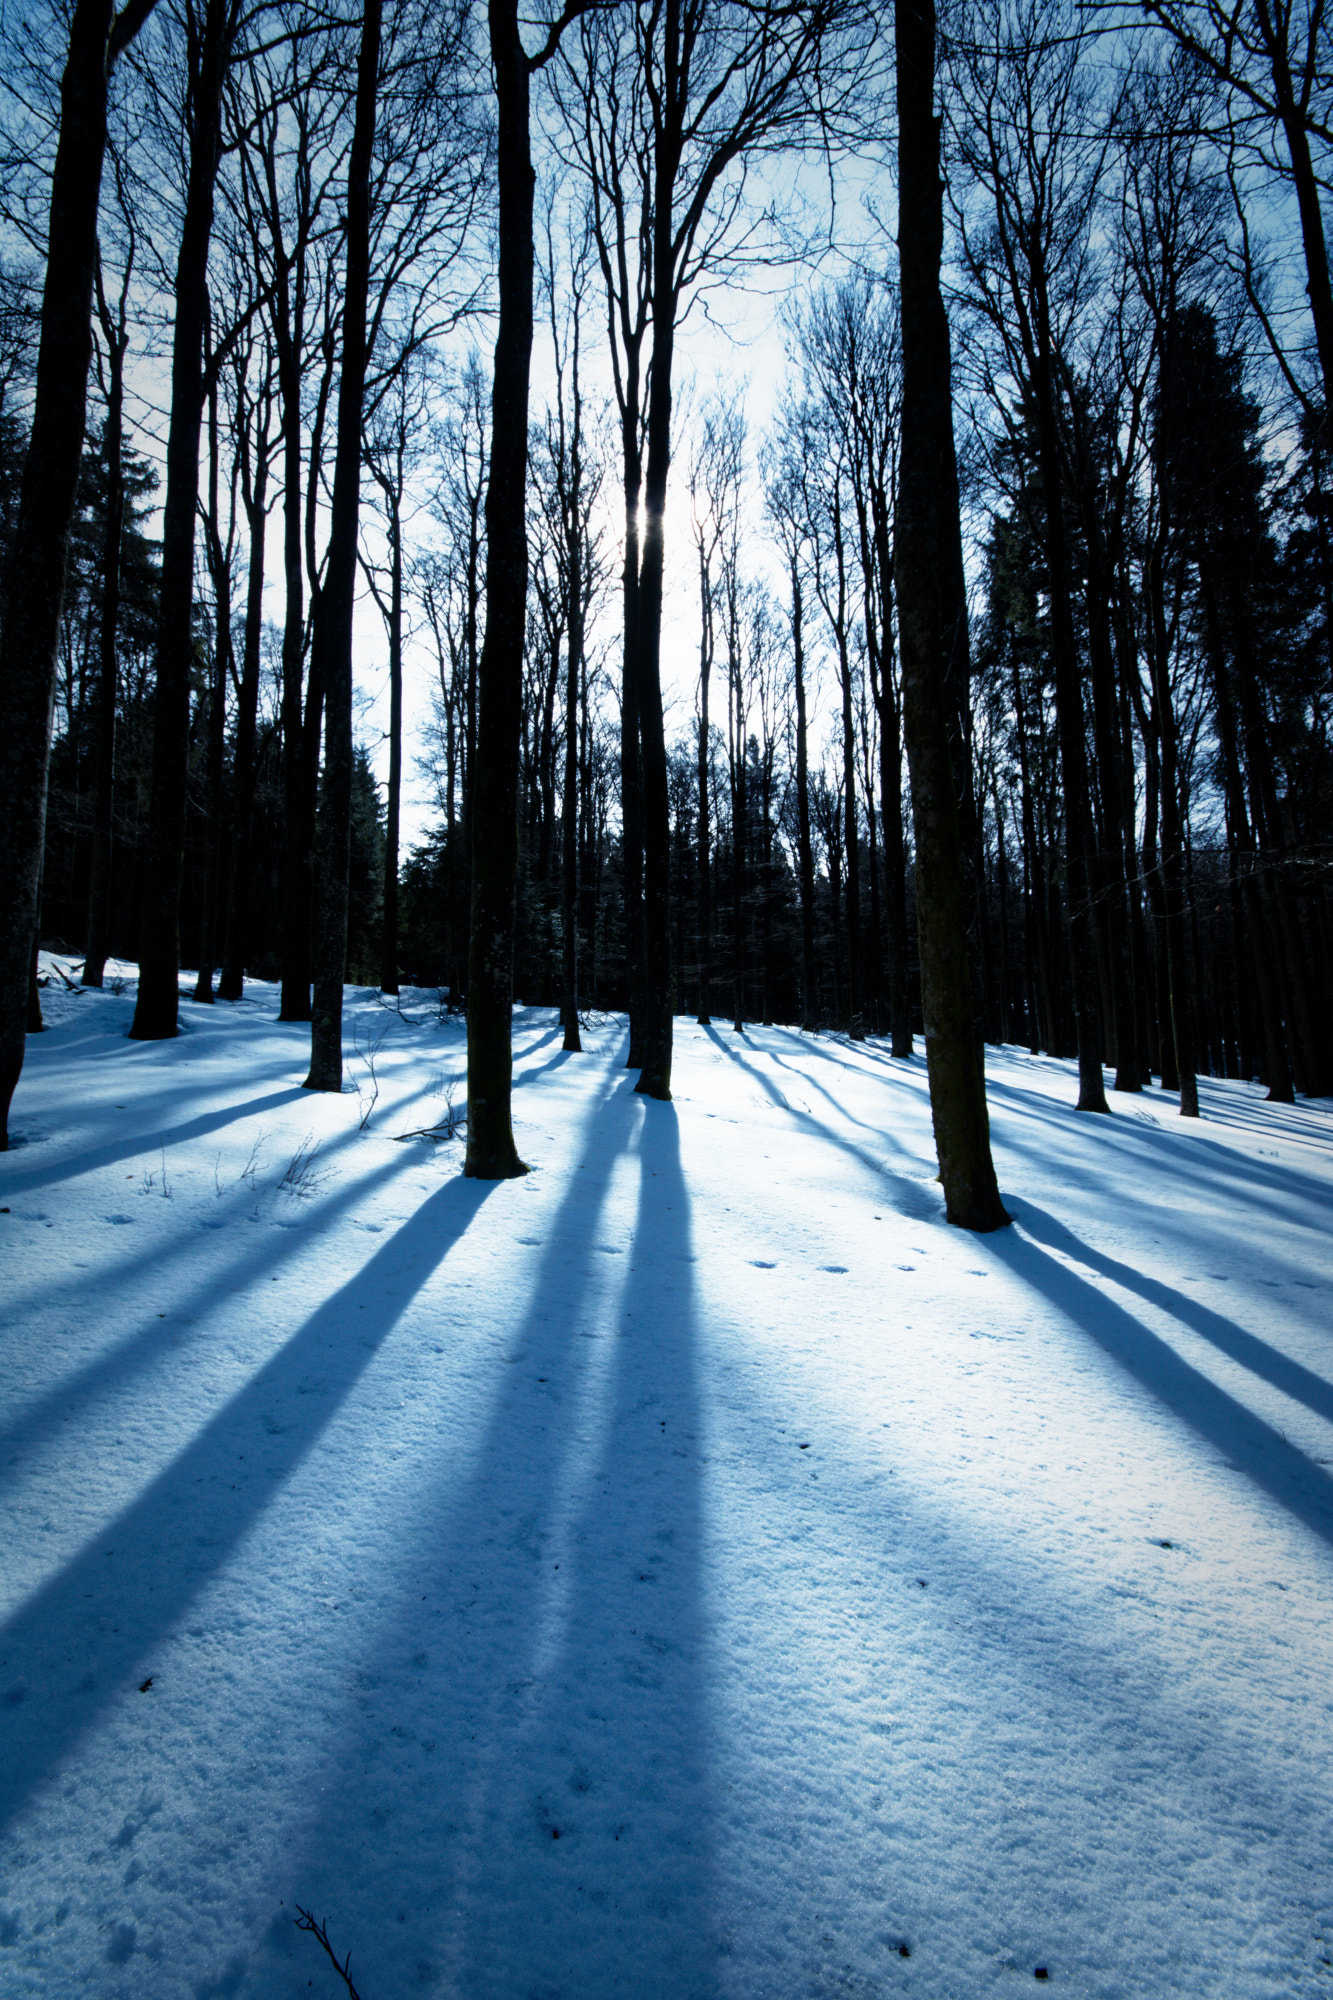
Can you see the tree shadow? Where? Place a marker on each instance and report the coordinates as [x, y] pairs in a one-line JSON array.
[[112, 1603], [1262, 1359], [546, 1821], [908, 1194], [1180, 1152], [130, 1146], [1245, 1441], [110, 1369]]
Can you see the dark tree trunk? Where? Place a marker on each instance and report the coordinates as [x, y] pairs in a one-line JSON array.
[[655, 1072], [805, 851], [99, 885], [31, 626], [1180, 984], [1111, 853], [569, 809], [491, 1153], [298, 806], [1277, 1067], [1069, 718], [219, 563], [631, 760], [159, 939], [231, 984], [705, 841], [333, 627], [851, 818], [925, 540], [393, 800]]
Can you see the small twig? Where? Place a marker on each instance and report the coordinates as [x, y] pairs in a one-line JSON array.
[[368, 1100], [302, 1178], [305, 1922]]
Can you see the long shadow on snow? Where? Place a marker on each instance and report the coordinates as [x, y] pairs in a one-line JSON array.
[[115, 1601], [919, 1204], [1244, 1440], [1296, 1381], [1181, 1152], [128, 1146], [544, 1824], [109, 1369]]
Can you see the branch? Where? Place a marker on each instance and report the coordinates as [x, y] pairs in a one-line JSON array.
[[570, 12], [305, 1922], [125, 27]]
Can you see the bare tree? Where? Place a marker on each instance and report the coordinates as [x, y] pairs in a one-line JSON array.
[[491, 1152], [1026, 134], [925, 531], [675, 102], [98, 36]]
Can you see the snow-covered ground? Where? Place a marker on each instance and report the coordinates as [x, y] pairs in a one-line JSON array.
[[690, 1571]]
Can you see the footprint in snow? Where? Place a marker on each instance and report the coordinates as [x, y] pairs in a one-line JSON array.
[[120, 1218], [762, 1264], [839, 1269]]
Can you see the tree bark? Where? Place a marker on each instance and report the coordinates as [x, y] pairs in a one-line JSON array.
[[805, 851], [333, 627], [491, 1152], [159, 924], [957, 1089], [46, 508], [393, 799], [99, 884], [231, 983]]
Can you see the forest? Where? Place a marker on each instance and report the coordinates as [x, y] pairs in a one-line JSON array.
[[281, 297], [665, 968]]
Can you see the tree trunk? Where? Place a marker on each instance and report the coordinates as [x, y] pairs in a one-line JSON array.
[[298, 806], [393, 801], [491, 1153], [957, 1090], [805, 851], [31, 626], [99, 885], [704, 829], [1069, 717], [655, 1072], [631, 759], [231, 984], [159, 939], [333, 625], [219, 563]]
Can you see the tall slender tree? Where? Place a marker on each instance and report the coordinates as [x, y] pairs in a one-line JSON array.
[[98, 36], [927, 536]]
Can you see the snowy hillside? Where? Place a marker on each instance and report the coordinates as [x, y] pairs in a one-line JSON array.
[[691, 1570]]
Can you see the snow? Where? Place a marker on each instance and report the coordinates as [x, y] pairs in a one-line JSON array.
[[690, 1570]]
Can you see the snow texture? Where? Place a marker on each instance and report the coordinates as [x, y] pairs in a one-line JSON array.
[[692, 1570]]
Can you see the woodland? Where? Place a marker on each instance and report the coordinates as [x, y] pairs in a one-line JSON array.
[[290, 240], [694, 1368]]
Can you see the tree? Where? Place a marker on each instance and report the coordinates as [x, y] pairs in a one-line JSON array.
[[36, 581], [925, 531], [491, 1152], [333, 623], [1271, 58], [674, 102], [212, 28], [1026, 133]]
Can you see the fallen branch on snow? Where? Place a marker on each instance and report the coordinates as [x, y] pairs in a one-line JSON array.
[[305, 1922]]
